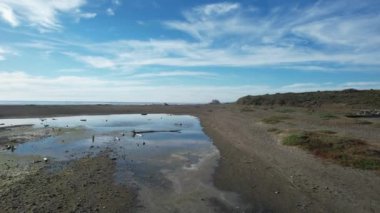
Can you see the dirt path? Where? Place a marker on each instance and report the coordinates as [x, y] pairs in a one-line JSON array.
[[269, 175], [283, 178]]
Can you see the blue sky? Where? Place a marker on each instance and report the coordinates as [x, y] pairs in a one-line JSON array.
[[185, 51]]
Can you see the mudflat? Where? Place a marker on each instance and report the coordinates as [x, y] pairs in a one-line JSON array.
[[254, 162]]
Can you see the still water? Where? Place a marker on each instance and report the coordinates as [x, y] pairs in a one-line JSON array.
[[166, 158]]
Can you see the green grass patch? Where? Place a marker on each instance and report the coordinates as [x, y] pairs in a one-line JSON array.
[[286, 110], [345, 151], [274, 130], [275, 119], [327, 132], [293, 140], [247, 109], [363, 122], [328, 116]]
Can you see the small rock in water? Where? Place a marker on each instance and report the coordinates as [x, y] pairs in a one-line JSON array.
[[11, 147], [143, 143]]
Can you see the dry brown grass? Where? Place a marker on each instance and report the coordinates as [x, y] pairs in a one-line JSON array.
[[275, 119]]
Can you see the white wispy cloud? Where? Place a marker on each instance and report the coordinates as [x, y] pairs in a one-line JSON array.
[[87, 15], [22, 86], [2, 53], [97, 61], [8, 15], [94, 61], [326, 86], [285, 35], [175, 74], [5, 51], [42, 14], [363, 84], [231, 34], [211, 20], [235, 35], [128, 54], [79, 14], [301, 86], [110, 12], [216, 9]]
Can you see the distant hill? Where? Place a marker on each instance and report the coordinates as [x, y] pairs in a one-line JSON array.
[[352, 97]]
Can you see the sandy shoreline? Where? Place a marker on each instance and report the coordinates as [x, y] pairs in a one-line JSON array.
[[268, 175]]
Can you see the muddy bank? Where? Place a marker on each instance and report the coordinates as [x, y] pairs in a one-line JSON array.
[[15, 168], [81, 186], [11, 136]]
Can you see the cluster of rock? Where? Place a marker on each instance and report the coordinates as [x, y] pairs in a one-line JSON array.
[[365, 113], [215, 101]]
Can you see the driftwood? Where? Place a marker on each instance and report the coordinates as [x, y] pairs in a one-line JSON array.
[[134, 132]]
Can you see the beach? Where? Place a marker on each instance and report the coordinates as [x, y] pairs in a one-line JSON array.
[[253, 162]]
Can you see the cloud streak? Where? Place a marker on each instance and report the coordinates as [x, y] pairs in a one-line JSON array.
[[335, 34], [42, 14], [175, 74], [22, 86]]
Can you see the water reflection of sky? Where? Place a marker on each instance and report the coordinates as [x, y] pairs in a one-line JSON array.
[[114, 132], [160, 164]]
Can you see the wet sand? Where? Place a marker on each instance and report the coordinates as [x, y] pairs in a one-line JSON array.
[[270, 176]]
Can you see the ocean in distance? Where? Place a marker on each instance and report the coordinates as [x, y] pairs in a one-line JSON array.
[[82, 103]]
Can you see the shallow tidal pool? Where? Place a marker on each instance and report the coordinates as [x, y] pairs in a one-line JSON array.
[[167, 159]]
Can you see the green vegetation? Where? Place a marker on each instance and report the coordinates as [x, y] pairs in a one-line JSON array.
[[327, 132], [363, 122], [345, 151], [328, 116], [247, 109], [293, 140], [275, 119], [351, 97], [286, 110], [274, 130]]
